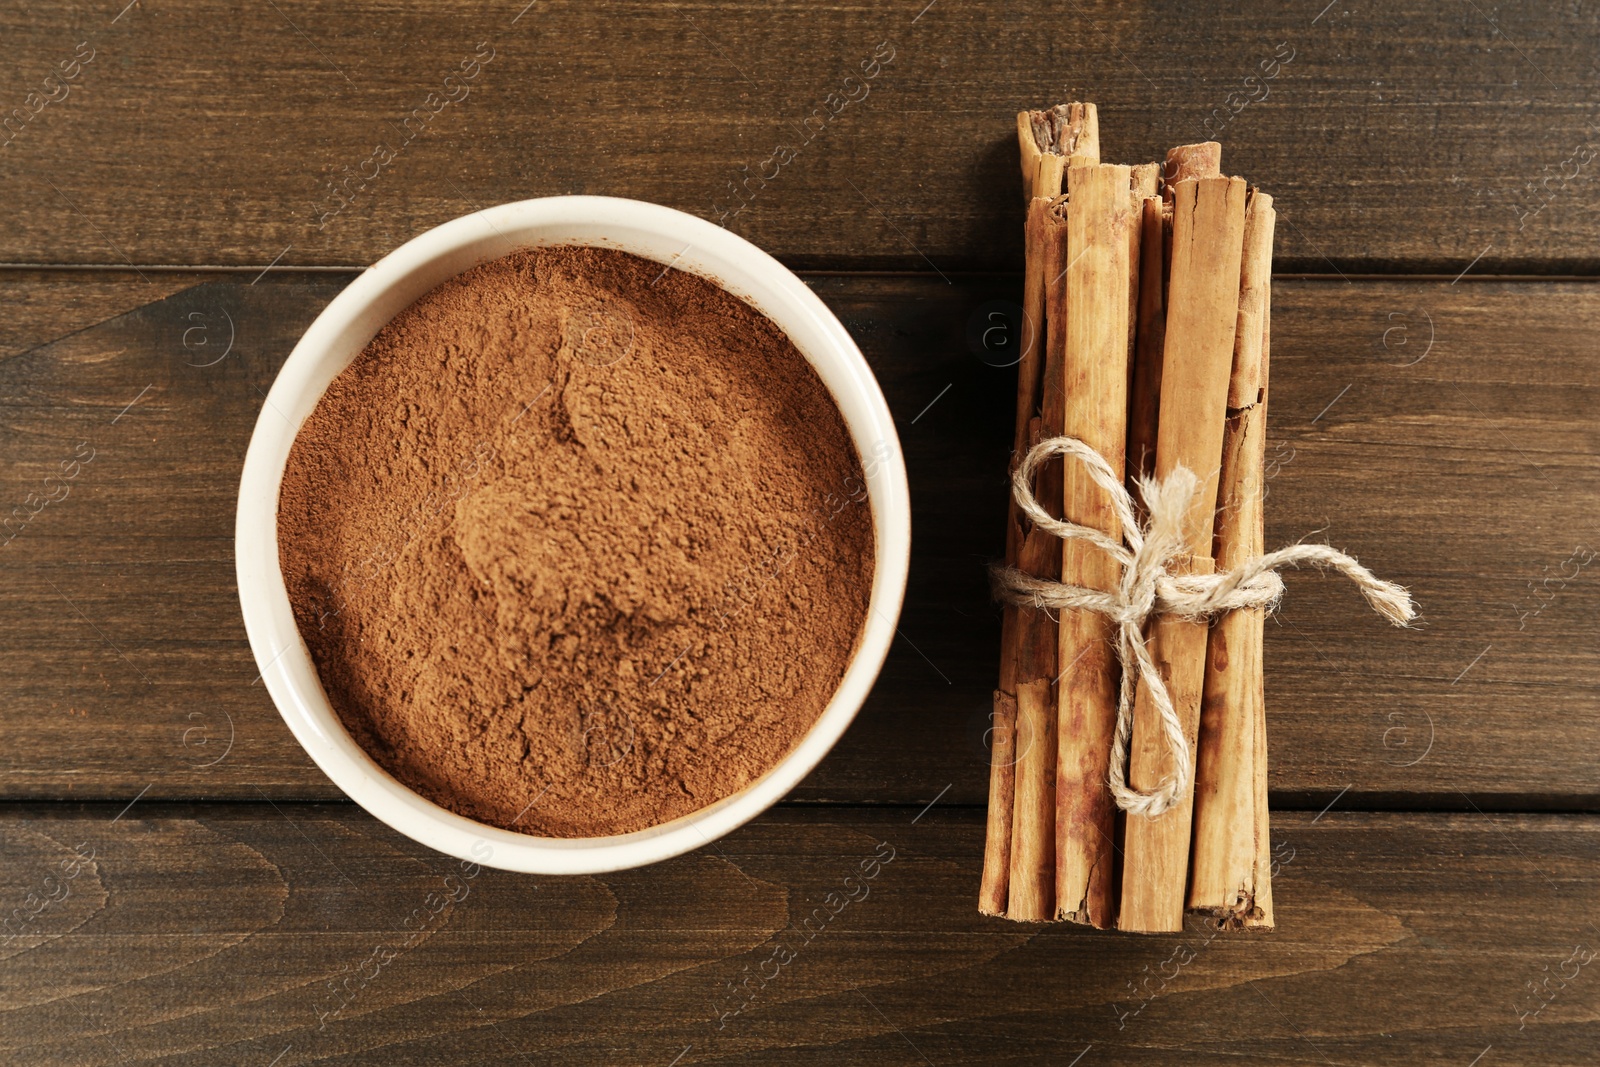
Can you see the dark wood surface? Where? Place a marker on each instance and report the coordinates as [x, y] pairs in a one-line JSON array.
[[240, 933], [1434, 406], [1408, 136], [1467, 476]]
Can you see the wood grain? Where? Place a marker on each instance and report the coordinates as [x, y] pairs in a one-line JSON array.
[[1395, 136], [224, 934], [124, 663], [45, 305]]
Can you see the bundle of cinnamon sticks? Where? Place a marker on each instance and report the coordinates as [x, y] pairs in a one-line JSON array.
[[1146, 298]]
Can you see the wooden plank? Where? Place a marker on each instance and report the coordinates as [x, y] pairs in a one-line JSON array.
[[45, 305], [1470, 475], [236, 934], [1394, 136]]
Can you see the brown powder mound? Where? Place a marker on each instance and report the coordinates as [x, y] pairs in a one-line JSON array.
[[578, 545]]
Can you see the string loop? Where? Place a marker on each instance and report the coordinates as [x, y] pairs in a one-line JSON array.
[[1148, 587]]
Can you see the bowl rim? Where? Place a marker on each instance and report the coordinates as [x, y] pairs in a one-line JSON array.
[[282, 656]]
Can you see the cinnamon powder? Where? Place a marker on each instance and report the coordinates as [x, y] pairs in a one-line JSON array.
[[578, 545]]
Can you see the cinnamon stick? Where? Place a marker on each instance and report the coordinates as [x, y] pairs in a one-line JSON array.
[[1101, 228], [1197, 357], [1144, 180], [1016, 625], [1002, 786], [1029, 150], [1226, 877], [1047, 140], [1032, 896], [1203, 160], [1070, 131], [1264, 859], [1144, 391], [1184, 162]]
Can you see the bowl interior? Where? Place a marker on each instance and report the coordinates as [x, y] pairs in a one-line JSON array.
[[677, 241]]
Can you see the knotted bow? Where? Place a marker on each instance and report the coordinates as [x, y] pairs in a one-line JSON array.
[[1147, 588]]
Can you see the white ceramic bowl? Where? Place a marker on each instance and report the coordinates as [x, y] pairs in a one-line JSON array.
[[354, 318]]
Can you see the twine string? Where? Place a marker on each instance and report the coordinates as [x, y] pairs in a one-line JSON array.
[[1148, 587]]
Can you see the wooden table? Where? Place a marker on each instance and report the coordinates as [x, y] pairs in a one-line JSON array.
[[181, 885]]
